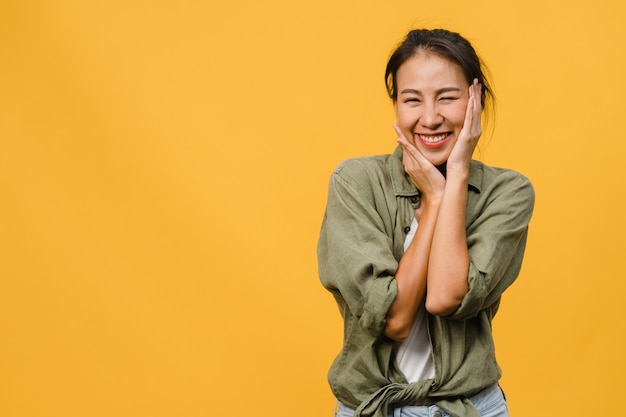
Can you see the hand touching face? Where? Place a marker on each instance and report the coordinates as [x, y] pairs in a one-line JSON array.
[[461, 154], [432, 105]]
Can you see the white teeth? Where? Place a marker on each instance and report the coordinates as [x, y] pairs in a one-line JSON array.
[[434, 139]]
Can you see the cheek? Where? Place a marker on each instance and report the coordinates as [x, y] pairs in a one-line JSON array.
[[457, 116], [406, 124], [404, 118]]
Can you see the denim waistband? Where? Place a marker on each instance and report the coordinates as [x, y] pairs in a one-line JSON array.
[[482, 400]]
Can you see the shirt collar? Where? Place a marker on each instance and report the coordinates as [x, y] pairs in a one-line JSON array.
[[403, 186]]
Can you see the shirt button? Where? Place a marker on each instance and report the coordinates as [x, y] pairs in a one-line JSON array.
[[407, 229], [414, 200], [436, 414]]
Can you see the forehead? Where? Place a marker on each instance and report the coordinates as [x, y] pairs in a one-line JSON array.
[[429, 68]]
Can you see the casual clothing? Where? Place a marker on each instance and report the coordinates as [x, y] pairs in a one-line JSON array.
[[414, 355], [371, 203], [490, 402]]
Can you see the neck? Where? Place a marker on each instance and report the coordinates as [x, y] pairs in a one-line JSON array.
[[442, 169]]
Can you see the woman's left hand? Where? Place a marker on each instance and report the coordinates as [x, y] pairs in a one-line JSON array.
[[461, 154]]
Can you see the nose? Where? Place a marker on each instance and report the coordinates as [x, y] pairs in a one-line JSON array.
[[431, 118]]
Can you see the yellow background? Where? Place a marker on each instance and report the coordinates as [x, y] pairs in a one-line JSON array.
[[163, 172]]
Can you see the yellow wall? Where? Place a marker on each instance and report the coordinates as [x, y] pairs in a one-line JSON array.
[[163, 170]]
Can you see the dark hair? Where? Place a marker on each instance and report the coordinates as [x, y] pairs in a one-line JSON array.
[[446, 44]]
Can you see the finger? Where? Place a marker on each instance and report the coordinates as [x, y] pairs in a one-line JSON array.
[[477, 107], [469, 111], [471, 124], [410, 150], [401, 139], [398, 131], [478, 89]]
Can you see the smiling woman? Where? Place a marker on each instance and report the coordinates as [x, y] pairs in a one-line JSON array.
[[417, 302], [432, 104]]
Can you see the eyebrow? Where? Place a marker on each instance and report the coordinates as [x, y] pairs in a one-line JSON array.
[[440, 91]]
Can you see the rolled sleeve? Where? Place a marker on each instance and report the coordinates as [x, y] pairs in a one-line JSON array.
[[355, 254], [380, 296], [496, 237]]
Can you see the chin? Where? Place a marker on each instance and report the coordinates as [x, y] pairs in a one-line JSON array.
[[437, 160], [438, 157]]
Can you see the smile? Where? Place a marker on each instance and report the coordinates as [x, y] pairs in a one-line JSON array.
[[433, 139]]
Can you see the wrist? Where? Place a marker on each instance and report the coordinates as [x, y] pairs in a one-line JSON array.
[[457, 174], [432, 200]]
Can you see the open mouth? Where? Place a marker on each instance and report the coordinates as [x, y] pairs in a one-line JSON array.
[[433, 140]]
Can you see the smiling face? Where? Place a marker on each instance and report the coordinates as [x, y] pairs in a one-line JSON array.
[[431, 104]]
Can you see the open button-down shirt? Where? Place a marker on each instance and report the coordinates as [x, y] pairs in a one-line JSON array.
[[371, 201]]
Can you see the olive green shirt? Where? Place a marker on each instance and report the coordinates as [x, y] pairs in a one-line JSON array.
[[371, 202]]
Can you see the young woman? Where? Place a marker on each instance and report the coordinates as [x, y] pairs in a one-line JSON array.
[[418, 246]]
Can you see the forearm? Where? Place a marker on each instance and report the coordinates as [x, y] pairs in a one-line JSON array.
[[411, 276], [449, 257]]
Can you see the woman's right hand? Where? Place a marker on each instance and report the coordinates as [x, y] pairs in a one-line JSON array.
[[422, 172]]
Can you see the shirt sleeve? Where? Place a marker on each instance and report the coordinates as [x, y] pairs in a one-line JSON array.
[[355, 255], [496, 241]]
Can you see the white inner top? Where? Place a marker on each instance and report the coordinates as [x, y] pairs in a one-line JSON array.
[[414, 355]]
